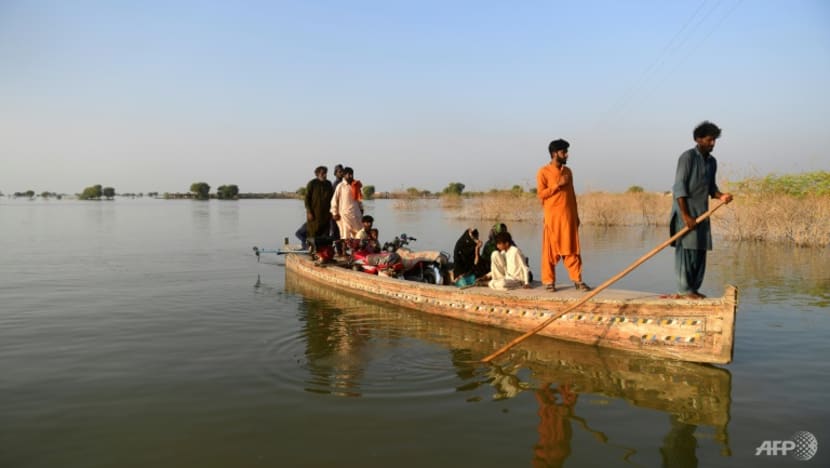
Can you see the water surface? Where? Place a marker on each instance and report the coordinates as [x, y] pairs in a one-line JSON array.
[[144, 333]]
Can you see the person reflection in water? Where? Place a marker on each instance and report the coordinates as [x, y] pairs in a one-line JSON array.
[[678, 449], [334, 351], [556, 406]]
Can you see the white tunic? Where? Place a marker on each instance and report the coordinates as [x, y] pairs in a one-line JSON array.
[[343, 204], [508, 269]]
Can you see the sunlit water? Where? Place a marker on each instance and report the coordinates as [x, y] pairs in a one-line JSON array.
[[145, 333]]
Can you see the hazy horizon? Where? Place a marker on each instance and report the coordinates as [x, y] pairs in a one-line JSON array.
[[155, 96]]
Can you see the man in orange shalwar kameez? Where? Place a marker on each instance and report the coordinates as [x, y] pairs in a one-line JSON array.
[[560, 238]]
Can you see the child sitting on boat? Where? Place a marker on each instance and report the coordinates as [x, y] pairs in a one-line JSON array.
[[373, 242], [367, 222], [508, 269]]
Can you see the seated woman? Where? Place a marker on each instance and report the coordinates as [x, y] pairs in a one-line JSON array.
[[466, 255]]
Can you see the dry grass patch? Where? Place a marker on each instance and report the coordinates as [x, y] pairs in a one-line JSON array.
[[501, 206], [803, 221], [597, 208], [624, 209]]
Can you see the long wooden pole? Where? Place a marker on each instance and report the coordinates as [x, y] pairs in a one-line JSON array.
[[601, 287]]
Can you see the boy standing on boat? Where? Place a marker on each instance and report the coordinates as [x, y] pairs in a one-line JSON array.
[[508, 269], [346, 207], [560, 236], [694, 183]]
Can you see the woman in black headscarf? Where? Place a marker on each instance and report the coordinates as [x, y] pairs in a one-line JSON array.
[[466, 254]]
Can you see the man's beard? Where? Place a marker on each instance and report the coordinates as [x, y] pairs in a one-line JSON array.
[[562, 161]]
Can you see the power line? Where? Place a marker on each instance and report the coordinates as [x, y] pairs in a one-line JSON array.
[[672, 47]]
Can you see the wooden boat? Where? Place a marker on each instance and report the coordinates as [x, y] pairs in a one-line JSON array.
[[696, 394], [639, 322]]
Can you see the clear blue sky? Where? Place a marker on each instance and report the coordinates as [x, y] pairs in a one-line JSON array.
[[152, 96]]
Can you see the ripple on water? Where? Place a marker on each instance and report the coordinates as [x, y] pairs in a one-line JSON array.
[[349, 349]]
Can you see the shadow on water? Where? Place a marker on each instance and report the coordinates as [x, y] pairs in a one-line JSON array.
[[340, 326]]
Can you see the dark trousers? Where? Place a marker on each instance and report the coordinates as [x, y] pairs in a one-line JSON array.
[[689, 266], [302, 234]]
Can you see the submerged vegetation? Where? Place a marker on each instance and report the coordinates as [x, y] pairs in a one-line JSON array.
[[792, 209]]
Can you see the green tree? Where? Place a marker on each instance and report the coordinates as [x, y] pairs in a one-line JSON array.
[[454, 188], [200, 190], [108, 192], [517, 190], [635, 189], [30, 193], [91, 193], [45, 195], [227, 192], [301, 191], [368, 192]]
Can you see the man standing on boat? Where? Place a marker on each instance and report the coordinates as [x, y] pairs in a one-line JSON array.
[[694, 183], [560, 236], [318, 195], [334, 230], [346, 207]]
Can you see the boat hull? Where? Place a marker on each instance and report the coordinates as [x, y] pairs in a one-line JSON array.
[[639, 322]]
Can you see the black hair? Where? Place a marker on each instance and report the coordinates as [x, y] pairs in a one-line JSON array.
[[368, 219], [503, 237], [706, 129], [321, 169], [348, 170], [557, 145]]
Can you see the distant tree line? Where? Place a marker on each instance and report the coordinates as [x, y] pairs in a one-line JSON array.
[[95, 192], [31, 194], [201, 191]]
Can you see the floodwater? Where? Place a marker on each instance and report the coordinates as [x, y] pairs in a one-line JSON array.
[[144, 333]]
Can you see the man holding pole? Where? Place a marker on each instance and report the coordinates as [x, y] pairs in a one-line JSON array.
[[694, 183]]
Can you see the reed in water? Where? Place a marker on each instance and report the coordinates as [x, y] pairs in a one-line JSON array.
[[793, 209]]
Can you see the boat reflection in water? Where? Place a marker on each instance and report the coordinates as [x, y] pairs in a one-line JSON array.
[[557, 372]]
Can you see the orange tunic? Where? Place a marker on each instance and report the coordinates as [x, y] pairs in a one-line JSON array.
[[561, 218], [560, 238]]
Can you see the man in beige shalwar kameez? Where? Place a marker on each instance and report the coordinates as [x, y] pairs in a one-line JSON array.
[[346, 207]]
